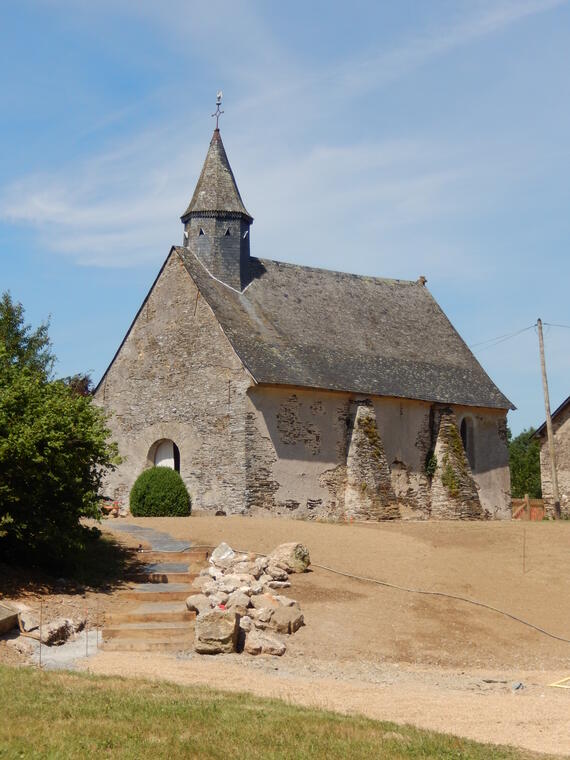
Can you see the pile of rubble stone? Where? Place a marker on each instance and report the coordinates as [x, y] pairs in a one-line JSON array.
[[239, 604], [52, 633]]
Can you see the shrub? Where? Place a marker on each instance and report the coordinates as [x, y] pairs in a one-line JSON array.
[[54, 448], [160, 492]]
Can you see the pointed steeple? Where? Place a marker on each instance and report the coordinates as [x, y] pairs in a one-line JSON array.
[[216, 191], [216, 223]]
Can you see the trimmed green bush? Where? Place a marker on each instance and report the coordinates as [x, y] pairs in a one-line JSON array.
[[160, 492]]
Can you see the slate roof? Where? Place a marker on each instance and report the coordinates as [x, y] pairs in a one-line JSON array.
[[300, 326], [216, 191], [542, 429]]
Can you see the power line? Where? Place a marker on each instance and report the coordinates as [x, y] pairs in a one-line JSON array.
[[491, 342], [553, 324]]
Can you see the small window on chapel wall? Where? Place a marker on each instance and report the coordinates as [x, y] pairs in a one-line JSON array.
[[166, 454], [201, 232], [228, 233]]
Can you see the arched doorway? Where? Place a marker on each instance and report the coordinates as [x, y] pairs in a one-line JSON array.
[[165, 453]]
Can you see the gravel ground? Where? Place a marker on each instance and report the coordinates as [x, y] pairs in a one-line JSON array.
[[434, 662]]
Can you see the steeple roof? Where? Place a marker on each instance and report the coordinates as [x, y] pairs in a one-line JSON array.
[[216, 191]]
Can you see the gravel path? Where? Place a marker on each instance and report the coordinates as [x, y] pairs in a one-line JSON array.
[[433, 662]]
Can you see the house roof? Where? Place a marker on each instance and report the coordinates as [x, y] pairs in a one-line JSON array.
[[542, 429], [216, 191], [300, 326]]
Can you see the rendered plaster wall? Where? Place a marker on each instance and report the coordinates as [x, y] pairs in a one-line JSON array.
[[490, 459], [296, 443], [176, 376], [306, 457], [405, 427], [561, 428]]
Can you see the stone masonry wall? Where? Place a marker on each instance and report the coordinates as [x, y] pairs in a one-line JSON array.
[[302, 460], [176, 376], [296, 444], [561, 427], [369, 491]]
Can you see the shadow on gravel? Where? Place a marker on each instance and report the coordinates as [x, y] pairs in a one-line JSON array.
[[102, 565]]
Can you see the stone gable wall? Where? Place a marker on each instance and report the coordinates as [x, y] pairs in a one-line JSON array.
[[561, 428], [177, 377]]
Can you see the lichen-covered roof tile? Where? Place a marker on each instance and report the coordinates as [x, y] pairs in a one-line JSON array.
[[300, 326]]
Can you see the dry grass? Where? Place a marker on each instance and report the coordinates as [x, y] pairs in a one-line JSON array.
[[64, 715]]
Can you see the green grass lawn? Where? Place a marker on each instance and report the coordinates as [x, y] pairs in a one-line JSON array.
[[63, 715]]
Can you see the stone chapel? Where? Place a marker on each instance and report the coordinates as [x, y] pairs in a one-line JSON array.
[[285, 389]]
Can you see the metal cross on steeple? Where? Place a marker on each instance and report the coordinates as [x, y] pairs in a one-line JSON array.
[[218, 112]]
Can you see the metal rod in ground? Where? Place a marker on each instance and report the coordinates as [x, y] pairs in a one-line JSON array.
[[86, 633], [41, 621], [524, 551]]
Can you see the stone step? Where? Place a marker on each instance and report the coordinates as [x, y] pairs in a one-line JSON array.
[[166, 567], [162, 631], [117, 618], [157, 592], [193, 555], [152, 607], [145, 645], [183, 577]]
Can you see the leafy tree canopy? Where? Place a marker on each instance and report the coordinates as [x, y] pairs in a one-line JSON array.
[[54, 447], [524, 463], [22, 346]]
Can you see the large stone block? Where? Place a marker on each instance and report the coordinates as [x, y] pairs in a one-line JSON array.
[[8, 619], [216, 632]]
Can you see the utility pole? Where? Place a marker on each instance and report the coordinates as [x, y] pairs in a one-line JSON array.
[[551, 451]]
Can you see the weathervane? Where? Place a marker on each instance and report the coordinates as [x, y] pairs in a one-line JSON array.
[[218, 112]]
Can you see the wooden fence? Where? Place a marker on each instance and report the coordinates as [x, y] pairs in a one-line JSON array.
[[528, 509]]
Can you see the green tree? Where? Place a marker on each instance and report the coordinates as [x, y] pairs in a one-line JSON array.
[[23, 346], [524, 463], [54, 447]]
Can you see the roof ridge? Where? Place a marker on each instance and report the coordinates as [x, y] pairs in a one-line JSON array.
[[337, 272]]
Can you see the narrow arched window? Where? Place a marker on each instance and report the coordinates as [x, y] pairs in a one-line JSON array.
[[228, 233], [201, 232]]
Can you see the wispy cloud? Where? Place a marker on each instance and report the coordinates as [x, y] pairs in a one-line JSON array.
[[375, 70], [119, 208]]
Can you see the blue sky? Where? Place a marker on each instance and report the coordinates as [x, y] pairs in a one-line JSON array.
[[382, 138]]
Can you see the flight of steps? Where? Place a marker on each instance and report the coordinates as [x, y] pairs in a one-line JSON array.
[[152, 615]]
